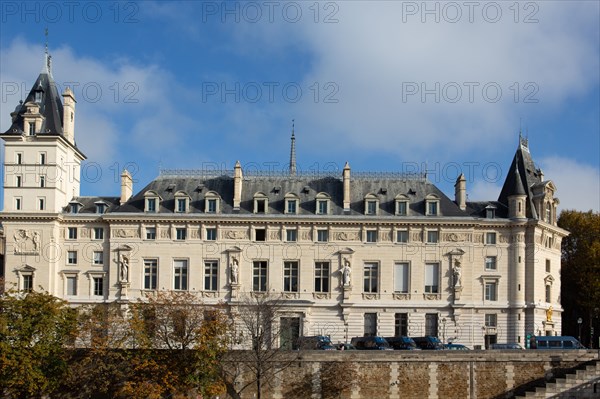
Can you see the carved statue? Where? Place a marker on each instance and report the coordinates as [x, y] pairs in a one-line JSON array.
[[235, 268], [549, 314], [346, 272], [124, 268], [36, 241], [457, 274]]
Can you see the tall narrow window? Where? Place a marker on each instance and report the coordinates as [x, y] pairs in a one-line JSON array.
[[371, 279], [401, 277], [371, 208], [211, 271], [292, 206], [31, 128], [18, 181], [42, 158], [548, 293], [150, 204], [432, 208], [98, 286], [42, 181], [432, 278], [431, 324], [18, 204], [181, 204], [181, 275], [19, 158], [322, 207], [370, 324], [27, 282], [72, 233], [491, 291], [72, 257], [290, 276], [322, 277], [150, 273], [259, 276], [211, 205], [71, 285], [401, 208], [401, 324], [41, 204], [98, 258]]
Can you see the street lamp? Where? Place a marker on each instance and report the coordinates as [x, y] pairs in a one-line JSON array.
[[579, 321], [443, 330]]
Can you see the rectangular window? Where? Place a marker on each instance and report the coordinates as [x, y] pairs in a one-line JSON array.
[[321, 276], [291, 235], [72, 285], [401, 208], [27, 282], [490, 238], [371, 207], [181, 274], [371, 235], [19, 158], [401, 277], [432, 278], [432, 237], [260, 234], [432, 208], [211, 234], [99, 286], [548, 268], [401, 324], [150, 233], [490, 213], [151, 205], [211, 205], [491, 293], [548, 293], [322, 207], [431, 324], [98, 258], [180, 233], [18, 204], [261, 206], [490, 263], [18, 181], [100, 208], [370, 324], [42, 158], [181, 202], [31, 128], [491, 320], [150, 273], [290, 276], [211, 272], [291, 206], [72, 257], [98, 233], [402, 236], [322, 235], [72, 233], [42, 181], [41, 204], [259, 276], [371, 281]]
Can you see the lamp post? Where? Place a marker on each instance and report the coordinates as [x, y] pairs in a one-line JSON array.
[[443, 330], [579, 321]]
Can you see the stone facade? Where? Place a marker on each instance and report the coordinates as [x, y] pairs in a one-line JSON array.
[[351, 253]]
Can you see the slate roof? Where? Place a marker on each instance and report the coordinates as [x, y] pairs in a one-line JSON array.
[[529, 175], [50, 107], [88, 204]]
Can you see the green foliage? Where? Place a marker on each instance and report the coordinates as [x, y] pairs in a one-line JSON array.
[[35, 328], [580, 274]]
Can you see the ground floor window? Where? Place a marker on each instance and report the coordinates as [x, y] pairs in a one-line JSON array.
[[431, 324], [370, 324], [400, 324]]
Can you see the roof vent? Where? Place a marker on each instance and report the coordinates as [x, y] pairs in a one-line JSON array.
[[276, 189], [383, 191], [412, 192], [200, 188], [171, 187], [306, 189]]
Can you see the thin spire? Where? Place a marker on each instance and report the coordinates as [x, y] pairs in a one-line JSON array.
[[293, 151], [47, 67]]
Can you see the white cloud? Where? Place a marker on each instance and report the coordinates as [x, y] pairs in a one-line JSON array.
[[577, 184]]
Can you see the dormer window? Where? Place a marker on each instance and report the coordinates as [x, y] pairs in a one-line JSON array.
[[401, 205], [261, 203], [38, 96], [151, 202], [182, 201], [291, 204], [432, 203], [211, 202], [322, 204], [101, 207], [31, 128], [74, 207], [490, 212], [371, 204]]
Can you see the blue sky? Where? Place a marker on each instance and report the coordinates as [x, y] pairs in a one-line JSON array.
[[384, 85]]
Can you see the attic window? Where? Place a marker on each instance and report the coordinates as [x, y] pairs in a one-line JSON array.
[[75, 208], [261, 203], [211, 202], [38, 96], [371, 204], [100, 207], [432, 204], [490, 212], [31, 128]]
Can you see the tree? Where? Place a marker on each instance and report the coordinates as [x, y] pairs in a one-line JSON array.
[[35, 330], [580, 274], [258, 328]]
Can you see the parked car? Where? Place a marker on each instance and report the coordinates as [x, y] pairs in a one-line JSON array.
[[316, 342], [512, 345], [428, 343], [346, 347], [558, 342], [402, 343], [456, 347], [370, 343]]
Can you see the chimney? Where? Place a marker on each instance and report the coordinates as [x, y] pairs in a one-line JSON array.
[[69, 115], [126, 186], [460, 192], [346, 180], [237, 186]]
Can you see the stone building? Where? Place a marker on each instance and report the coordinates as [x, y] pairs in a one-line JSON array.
[[352, 253]]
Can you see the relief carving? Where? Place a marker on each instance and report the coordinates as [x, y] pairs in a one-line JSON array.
[[165, 232], [195, 233], [431, 297], [125, 233], [236, 234], [306, 235], [274, 235], [402, 297], [370, 297], [291, 295], [321, 295], [385, 236], [27, 242], [209, 294], [415, 236], [478, 238], [347, 236], [85, 233]]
